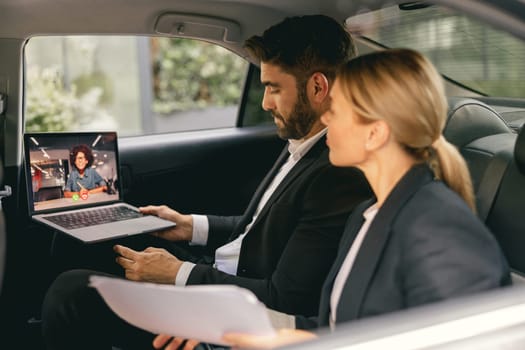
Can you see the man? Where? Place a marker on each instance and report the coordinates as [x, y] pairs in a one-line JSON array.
[[283, 246]]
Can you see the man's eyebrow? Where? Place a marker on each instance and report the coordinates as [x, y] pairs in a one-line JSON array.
[[269, 83]]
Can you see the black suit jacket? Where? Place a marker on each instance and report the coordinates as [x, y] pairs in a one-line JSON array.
[[424, 245], [291, 246]]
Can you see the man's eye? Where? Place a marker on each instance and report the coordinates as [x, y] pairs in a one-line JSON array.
[[271, 89]]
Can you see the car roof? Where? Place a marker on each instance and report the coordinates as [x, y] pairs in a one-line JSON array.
[[23, 18]]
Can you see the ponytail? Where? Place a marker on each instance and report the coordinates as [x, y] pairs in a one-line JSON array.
[[450, 167]]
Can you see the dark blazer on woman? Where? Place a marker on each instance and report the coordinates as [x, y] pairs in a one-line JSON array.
[[424, 245], [290, 248]]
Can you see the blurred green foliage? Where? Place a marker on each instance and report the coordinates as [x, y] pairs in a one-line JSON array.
[[49, 106], [190, 74], [97, 79]]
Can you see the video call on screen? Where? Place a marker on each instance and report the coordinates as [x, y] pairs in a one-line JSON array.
[[50, 166]]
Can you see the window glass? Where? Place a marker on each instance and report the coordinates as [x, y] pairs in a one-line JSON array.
[[251, 112], [465, 50], [134, 85]]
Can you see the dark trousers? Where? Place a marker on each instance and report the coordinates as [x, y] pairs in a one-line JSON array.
[[74, 315]]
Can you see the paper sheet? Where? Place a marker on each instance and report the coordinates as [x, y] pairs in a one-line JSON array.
[[202, 312]]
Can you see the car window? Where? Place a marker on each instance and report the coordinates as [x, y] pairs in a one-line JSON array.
[[251, 111], [464, 49], [134, 85]]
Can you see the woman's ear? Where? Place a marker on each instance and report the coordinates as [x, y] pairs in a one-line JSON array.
[[378, 135], [317, 88]]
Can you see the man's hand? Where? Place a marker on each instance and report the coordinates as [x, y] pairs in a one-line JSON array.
[[151, 265], [184, 229], [173, 342]]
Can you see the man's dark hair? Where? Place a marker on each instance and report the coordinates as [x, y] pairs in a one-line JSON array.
[[304, 45], [84, 149]]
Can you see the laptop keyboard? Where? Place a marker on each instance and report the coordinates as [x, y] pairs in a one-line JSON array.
[[93, 217]]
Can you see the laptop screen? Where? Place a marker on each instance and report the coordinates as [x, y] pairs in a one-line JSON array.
[[71, 170]]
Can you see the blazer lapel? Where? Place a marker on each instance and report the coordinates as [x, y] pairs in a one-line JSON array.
[[252, 206], [370, 253], [312, 155]]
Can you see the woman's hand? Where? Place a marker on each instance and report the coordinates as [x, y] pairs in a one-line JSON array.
[[283, 337], [239, 340]]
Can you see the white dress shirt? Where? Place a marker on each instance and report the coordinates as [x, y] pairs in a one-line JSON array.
[[227, 256], [340, 280]]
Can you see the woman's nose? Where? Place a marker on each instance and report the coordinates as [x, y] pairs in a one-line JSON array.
[[325, 118]]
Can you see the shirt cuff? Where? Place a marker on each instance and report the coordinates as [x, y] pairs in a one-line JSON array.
[[184, 273], [200, 230]]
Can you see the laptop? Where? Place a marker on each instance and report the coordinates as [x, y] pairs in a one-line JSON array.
[[73, 185]]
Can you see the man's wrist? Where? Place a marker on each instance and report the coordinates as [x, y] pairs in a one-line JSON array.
[[190, 227]]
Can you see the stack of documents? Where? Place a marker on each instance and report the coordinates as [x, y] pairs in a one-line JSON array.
[[202, 312]]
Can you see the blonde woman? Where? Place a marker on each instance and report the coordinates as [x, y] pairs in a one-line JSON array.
[[418, 241]]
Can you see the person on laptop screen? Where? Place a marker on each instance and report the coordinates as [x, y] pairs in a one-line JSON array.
[[83, 180]]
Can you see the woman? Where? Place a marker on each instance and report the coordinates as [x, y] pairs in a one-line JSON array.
[[418, 241], [83, 180]]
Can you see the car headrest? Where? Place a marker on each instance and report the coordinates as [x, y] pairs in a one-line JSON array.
[[470, 119], [519, 151]]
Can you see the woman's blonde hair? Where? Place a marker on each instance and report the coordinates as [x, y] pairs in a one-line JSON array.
[[402, 87]]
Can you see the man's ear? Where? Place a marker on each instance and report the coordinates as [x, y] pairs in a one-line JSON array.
[[378, 135], [318, 88]]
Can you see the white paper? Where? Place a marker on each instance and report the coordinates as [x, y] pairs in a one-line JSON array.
[[203, 312]]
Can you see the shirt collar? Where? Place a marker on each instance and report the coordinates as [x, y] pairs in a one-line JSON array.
[[298, 148], [370, 213]]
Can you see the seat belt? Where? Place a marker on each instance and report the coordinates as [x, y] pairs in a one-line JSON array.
[[489, 186]]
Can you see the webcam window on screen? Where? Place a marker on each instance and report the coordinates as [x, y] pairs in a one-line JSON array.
[[73, 186]]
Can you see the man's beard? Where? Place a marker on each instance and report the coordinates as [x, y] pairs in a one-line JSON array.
[[300, 120]]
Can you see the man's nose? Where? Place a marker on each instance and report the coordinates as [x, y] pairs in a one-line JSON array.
[[267, 101]]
